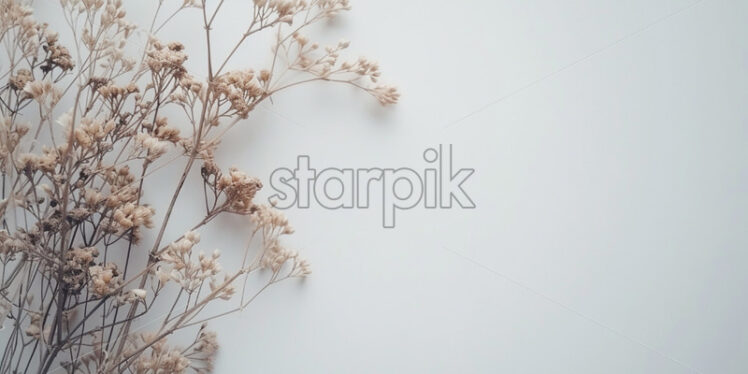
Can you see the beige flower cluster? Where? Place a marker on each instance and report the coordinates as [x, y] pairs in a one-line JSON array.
[[178, 265], [92, 131], [166, 60], [163, 358], [328, 66], [57, 56], [242, 88], [239, 189], [76, 268], [104, 279], [275, 257]]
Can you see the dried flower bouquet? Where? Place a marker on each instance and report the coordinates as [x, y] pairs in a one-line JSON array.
[[78, 275]]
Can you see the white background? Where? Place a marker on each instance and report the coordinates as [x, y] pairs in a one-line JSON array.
[[609, 140]]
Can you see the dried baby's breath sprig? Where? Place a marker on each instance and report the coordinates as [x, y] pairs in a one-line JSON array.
[[82, 242]]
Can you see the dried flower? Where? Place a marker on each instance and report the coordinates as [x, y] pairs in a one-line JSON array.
[[79, 262], [19, 80], [241, 88], [104, 279], [268, 217], [139, 293], [239, 189], [76, 268], [44, 92], [130, 215], [153, 146], [166, 59]]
